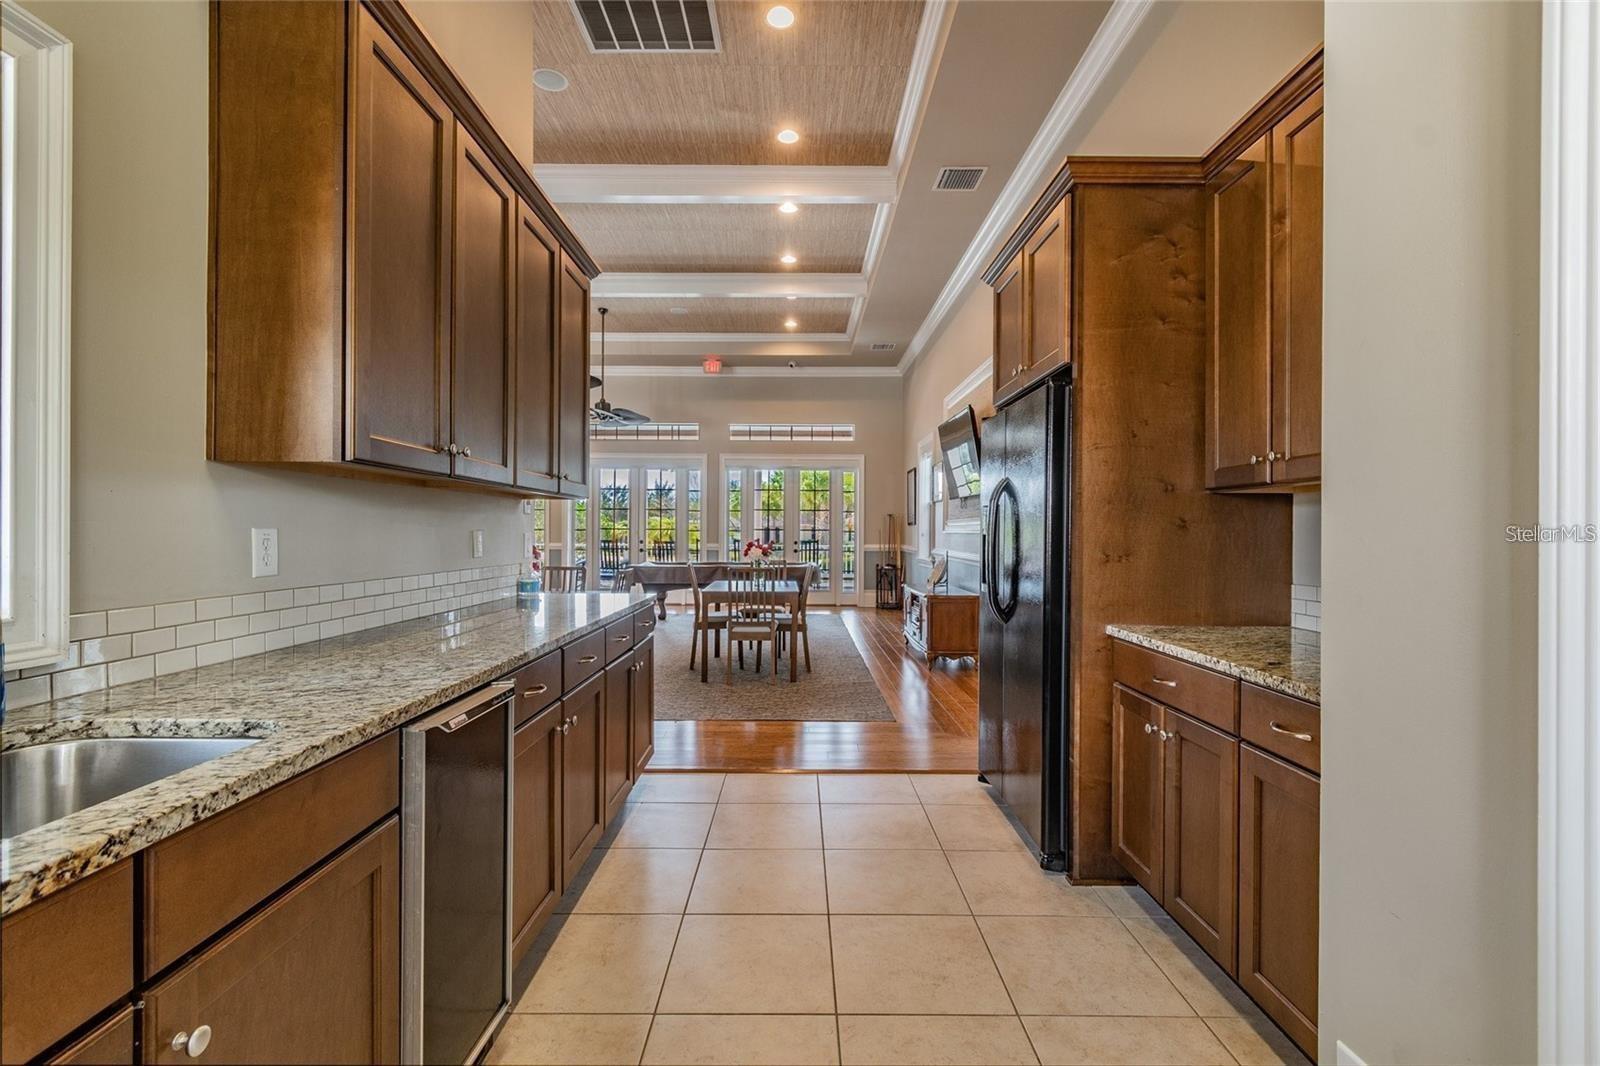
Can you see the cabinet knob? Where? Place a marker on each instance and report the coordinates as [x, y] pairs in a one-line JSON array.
[[1273, 457], [565, 726], [1148, 728], [193, 1044], [467, 452], [1254, 459], [1165, 736], [453, 450]]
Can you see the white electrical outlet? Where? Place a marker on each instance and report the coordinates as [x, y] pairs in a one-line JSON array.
[[477, 544], [527, 544], [263, 553], [527, 506]]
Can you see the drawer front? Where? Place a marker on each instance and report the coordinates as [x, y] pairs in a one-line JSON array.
[[1200, 693], [65, 959], [619, 639], [538, 685], [1283, 725], [195, 882], [582, 659], [111, 1042], [644, 623]]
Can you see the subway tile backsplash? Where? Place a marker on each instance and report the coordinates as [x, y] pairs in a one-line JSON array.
[[138, 643], [1305, 607]]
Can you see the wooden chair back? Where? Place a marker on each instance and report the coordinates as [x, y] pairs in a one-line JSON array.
[[565, 578], [753, 595]]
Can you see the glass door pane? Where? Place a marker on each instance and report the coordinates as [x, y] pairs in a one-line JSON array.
[[767, 521], [847, 534], [614, 494], [814, 532], [692, 521], [660, 534], [580, 534], [734, 534]]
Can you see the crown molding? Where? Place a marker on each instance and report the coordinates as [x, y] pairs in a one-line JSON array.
[[583, 183], [691, 286], [755, 372], [718, 338], [937, 15], [980, 373], [1038, 164]]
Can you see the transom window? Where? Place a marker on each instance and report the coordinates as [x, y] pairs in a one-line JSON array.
[[791, 431], [646, 431]]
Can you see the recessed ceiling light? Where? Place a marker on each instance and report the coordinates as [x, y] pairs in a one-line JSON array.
[[790, 323], [788, 207], [551, 81], [787, 136], [787, 259], [780, 18], [678, 310], [791, 297]]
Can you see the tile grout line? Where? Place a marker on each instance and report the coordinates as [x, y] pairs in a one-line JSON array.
[[682, 916]]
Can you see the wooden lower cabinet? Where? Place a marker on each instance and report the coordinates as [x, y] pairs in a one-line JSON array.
[[110, 1043], [536, 866], [1279, 843], [618, 734], [312, 977], [1138, 790], [643, 710], [1202, 802], [583, 812]]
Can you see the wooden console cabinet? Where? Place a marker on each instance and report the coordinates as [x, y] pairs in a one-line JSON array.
[[940, 624]]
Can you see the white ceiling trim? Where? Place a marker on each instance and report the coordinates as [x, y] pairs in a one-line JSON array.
[[720, 338], [857, 308], [876, 237], [755, 372], [980, 373], [689, 286], [1037, 165], [936, 18], [583, 183]]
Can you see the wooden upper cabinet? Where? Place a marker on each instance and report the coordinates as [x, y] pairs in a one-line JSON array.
[[1279, 847], [1239, 358], [1137, 775], [1010, 329], [1202, 783], [1297, 294], [482, 355], [572, 419], [538, 266], [402, 170], [1048, 285]]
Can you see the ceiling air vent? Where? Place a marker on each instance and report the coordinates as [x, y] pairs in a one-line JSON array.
[[959, 179], [648, 25], [883, 347]]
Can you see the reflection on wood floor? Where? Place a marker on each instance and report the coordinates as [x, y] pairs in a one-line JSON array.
[[935, 710]]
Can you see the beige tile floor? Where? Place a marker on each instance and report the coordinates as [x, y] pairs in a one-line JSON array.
[[787, 918]]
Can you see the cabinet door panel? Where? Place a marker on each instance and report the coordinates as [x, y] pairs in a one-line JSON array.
[[1049, 291], [619, 734], [572, 409], [313, 977], [481, 355], [1136, 787], [1238, 378], [582, 779], [536, 820], [401, 166], [538, 265], [1202, 779], [110, 1043], [644, 704], [1010, 329], [1279, 842], [1297, 294]]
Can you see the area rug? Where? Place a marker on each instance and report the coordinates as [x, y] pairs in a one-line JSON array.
[[838, 689]]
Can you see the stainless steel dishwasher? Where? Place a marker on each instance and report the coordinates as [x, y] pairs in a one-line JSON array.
[[456, 878]]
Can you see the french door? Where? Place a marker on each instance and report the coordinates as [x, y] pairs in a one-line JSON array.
[[808, 513], [637, 512]]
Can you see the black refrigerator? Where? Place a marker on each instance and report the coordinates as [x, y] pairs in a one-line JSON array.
[[1022, 630]]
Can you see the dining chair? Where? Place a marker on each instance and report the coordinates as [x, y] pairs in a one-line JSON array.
[[706, 617], [752, 618], [565, 578], [802, 575]]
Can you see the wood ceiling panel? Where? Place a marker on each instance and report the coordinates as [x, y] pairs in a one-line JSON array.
[[836, 76], [722, 238], [725, 315]]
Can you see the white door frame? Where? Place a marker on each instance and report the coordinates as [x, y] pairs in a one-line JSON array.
[[635, 463], [1569, 570], [835, 593]]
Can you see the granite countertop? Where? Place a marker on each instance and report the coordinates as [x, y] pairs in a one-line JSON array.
[[306, 704], [1276, 657]]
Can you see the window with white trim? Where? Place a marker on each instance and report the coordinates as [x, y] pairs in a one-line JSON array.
[[35, 286], [645, 431], [790, 431]]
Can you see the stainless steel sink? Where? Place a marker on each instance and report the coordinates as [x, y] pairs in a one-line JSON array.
[[44, 782]]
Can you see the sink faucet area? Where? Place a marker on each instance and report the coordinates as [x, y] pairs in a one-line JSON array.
[[45, 782]]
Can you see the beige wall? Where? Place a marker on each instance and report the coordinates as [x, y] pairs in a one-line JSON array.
[[152, 520], [489, 43], [1430, 440]]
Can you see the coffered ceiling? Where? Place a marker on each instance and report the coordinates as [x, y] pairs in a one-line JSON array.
[[670, 168]]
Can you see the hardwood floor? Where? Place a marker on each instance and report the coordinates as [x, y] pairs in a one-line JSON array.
[[935, 710]]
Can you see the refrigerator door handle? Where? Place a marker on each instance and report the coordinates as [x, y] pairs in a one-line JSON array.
[[1014, 567], [1005, 495], [991, 550]]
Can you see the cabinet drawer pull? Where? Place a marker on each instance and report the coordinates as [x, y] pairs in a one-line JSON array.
[[1276, 728], [587, 659], [193, 1044], [537, 690], [1164, 681], [622, 639]]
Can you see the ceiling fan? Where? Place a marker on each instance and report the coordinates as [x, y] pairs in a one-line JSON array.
[[602, 413]]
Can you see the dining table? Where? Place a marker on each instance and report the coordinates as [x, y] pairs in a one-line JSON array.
[[785, 591]]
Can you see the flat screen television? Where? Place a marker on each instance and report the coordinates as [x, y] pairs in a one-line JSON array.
[[958, 439]]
